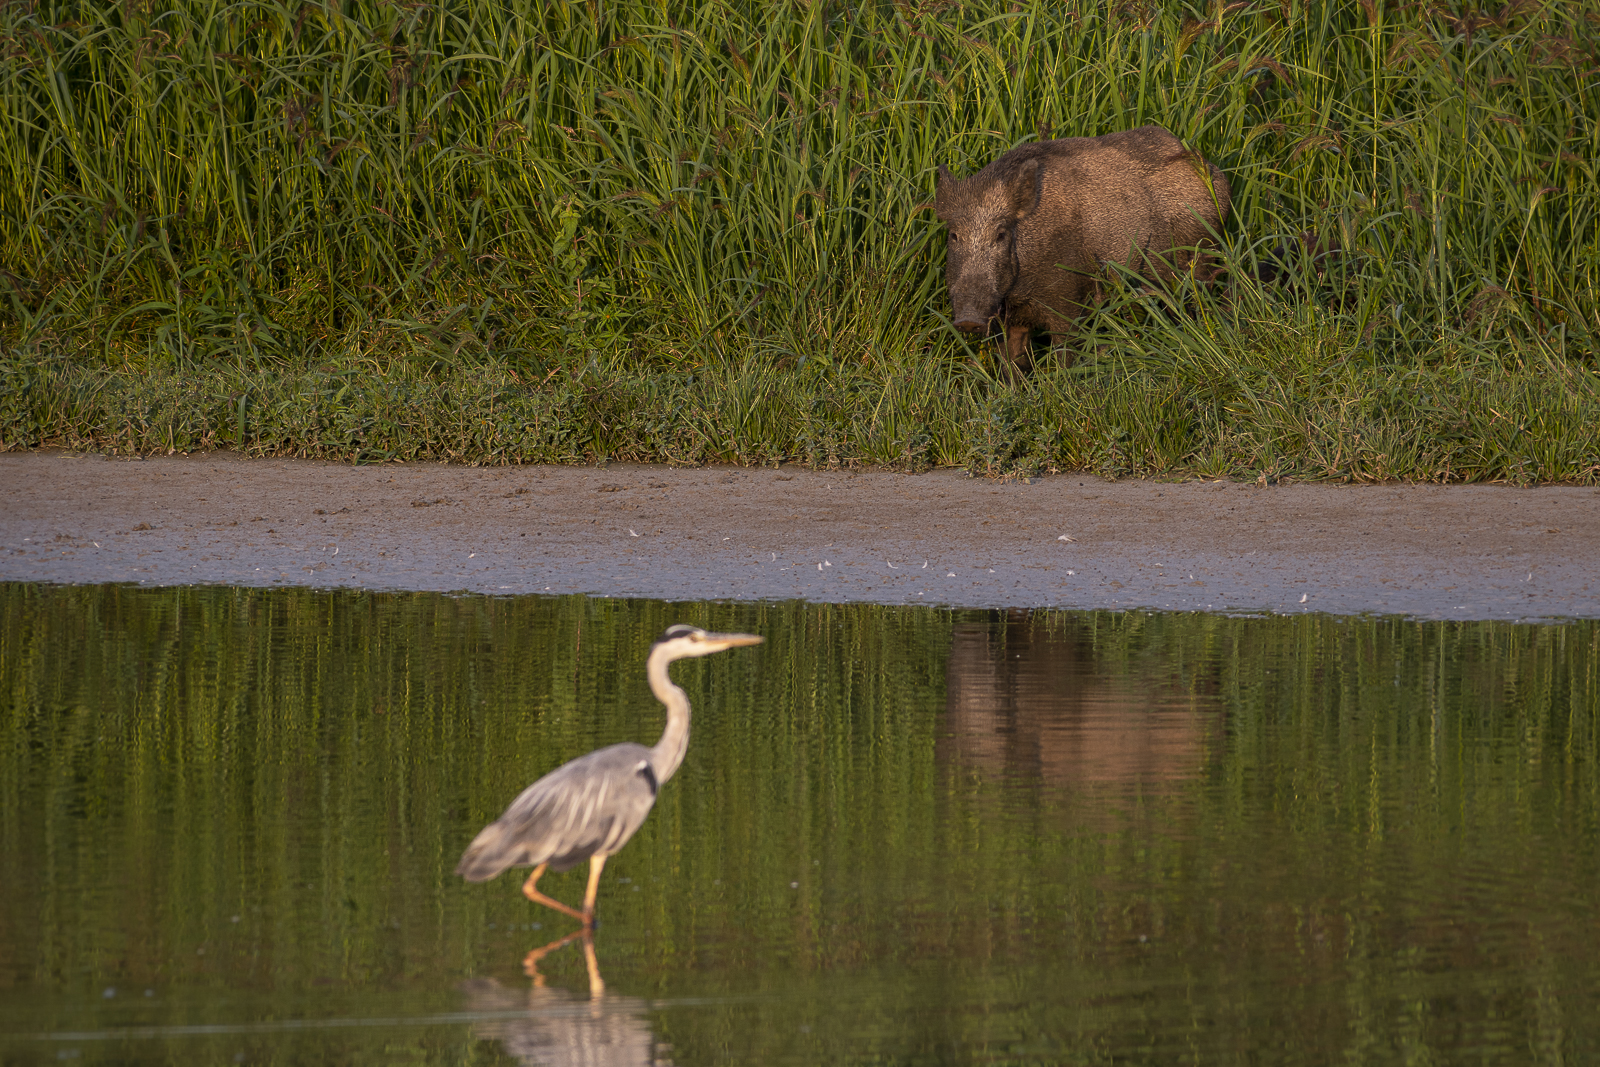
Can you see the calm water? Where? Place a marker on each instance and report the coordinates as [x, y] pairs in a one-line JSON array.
[[904, 836]]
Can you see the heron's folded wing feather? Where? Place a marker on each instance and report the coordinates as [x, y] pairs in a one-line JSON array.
[[591, 805]]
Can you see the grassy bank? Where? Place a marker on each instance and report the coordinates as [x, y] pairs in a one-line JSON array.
[[1341, 417], [525, 230]]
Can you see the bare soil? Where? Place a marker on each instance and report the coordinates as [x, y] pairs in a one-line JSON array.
[[1068, 541]]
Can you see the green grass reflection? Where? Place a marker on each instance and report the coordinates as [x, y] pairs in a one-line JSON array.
[[901, 835]]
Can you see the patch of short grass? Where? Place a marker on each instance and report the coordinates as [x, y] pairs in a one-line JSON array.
[[1265, 405]]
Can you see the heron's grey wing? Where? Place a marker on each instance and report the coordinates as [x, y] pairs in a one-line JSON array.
[[591, 805]]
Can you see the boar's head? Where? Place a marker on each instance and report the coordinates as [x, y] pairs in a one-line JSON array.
[[982, 213]]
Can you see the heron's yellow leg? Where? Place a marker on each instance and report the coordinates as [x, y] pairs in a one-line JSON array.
[[530, 889], [530, 962], [596, 865], [597, 985]]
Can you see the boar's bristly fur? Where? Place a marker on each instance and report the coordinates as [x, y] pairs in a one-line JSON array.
[[1031, 232]]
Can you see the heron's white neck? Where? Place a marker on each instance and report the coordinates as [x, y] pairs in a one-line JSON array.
[[668, 752]]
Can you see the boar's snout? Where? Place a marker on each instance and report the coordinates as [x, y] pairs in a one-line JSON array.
[[973, 307]]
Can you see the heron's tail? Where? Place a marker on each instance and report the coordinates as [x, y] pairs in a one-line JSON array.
[[491, 852]]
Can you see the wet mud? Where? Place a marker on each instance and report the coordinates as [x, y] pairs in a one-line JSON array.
[[1068, 541]]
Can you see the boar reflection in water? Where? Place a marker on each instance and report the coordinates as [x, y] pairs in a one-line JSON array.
[[1024, 702], [1031, 232]]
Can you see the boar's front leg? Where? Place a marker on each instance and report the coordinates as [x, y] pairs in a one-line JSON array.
[[1019, 349], [1066, 354]]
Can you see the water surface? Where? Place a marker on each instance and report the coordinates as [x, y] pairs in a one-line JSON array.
[[901, 835]]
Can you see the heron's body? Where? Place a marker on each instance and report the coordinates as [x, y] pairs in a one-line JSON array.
[[588, 809]]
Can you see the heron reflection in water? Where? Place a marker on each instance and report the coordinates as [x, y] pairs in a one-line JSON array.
[[588, 808], [550, 1027]]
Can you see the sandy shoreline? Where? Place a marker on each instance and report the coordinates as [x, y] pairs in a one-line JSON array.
[[1459, 552]]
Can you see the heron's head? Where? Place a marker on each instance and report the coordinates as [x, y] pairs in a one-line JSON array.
[[682, 641]]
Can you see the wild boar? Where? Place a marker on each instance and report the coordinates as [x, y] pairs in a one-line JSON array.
[[1031, 232]]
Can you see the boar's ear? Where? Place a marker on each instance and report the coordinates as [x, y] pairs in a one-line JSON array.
[[942, 184], [1024, 188]]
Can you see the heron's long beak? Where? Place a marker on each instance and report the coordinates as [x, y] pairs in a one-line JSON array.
[[718, 642]]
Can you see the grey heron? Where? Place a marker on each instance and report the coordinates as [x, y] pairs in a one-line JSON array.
[[588, 808]]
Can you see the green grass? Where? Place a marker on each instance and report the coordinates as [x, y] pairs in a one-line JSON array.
[[567, 232]]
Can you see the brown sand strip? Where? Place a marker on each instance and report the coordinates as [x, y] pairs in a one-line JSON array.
[[1460, 552]]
